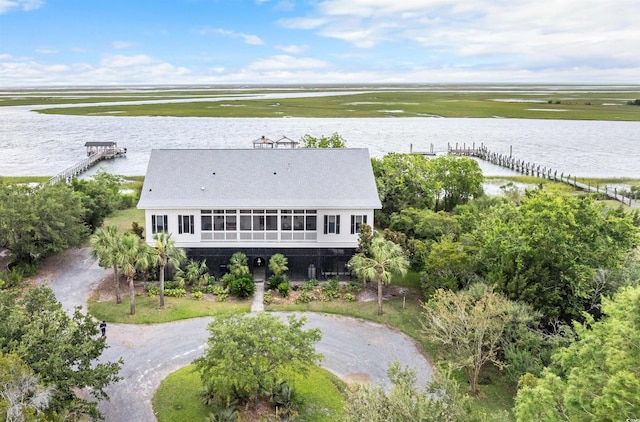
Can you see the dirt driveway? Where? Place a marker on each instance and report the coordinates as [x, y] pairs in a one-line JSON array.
[[352, 349]]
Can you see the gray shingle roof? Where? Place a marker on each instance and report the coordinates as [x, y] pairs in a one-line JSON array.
[[263, 178]]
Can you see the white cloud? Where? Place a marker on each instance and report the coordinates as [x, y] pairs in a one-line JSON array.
[[280, 62], [24, 5], [293, 49], [47, 51], [248, 38], [529, 35], [121, 45], [302, 23]]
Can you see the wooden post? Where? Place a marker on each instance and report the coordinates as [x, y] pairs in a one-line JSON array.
[[510, 150]]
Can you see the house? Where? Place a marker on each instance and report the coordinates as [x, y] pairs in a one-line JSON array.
[[307, 204]]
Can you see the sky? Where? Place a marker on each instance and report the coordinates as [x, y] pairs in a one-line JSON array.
[[170, 42]]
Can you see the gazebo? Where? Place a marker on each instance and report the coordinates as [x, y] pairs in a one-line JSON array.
[[94, 147], [263, 142], [285, 142]]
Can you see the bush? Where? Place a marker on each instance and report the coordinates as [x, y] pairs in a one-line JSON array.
[[175, 292], [242, 287], [196, 295], [11, 278], [170, 285], [227, 279], [331, 289], [283, 289], [305, 297], [268, 297], [153, 290], [350, 297], [275, 280]]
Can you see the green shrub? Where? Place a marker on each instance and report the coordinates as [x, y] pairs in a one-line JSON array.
[[171, 285], [283, 289], [242, 287], [12, 278], [196, 289], [153, 290], [309, 285], [175, 292], [276, 280], [196, 295], [349, 297], [331, 289], [227, 279], [305, 297], [222, 296], [268, 297]]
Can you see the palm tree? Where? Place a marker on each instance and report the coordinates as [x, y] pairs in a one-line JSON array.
[[387, 260], [105, 243], [133, 254], [166, 252], [278, 264]]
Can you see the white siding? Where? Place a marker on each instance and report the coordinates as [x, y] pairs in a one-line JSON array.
[[186, 240]]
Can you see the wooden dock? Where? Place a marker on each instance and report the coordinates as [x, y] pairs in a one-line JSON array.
[[536, 170], [94, 157]]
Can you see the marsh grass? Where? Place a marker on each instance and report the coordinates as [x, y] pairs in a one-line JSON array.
[[589, 105], [24, 179]]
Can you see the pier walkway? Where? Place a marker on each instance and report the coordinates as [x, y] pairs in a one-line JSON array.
[[536, 170], [106, 152]]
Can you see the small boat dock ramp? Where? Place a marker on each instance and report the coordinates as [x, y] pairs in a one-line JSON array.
[[96, 151]]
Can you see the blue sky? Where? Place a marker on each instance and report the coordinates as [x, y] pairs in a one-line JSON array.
[[113, 42]]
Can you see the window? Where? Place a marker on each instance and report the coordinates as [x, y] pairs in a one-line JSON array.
[[286, 220], [159, 223], [356, 220], [331, 224], [185, 224]]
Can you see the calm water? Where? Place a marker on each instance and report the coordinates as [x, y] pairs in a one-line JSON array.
[[38, 144]]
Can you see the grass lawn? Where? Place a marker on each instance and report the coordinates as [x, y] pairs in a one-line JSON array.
[[148, 311], [122, 219], [24, 179], [178, 397]]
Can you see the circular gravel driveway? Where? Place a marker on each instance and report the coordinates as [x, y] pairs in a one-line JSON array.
[[352, 348]]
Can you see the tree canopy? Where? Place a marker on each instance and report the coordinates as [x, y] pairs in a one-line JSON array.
[[471, 324], [596, 378], [62, 351], [403, 182], [545, 252], [246, 355], [456, 179], [37, 222], [333, 141]]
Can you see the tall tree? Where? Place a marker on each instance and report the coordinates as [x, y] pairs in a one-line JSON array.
[[166, 252], [22, 396], [333, 141], [37, 222], [471, 324], [63, 351], [105, 243], [596, 378], [100, 196], [403, 182], [457, 179], [246, 355], [546, 251], [133, 255], [387, 260]]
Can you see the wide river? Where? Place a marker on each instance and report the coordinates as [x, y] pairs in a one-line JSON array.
[[40, 144]]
